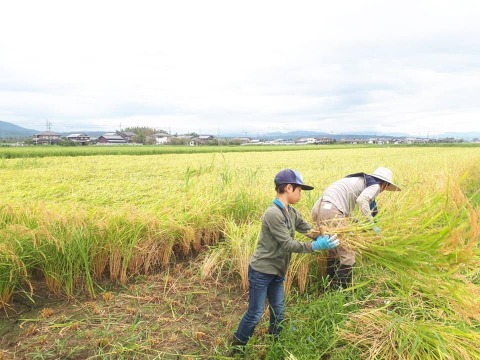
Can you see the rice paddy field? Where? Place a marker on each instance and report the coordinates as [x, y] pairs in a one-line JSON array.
[[143, 254]]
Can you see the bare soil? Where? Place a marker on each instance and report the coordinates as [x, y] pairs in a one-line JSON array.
[[172, 315]]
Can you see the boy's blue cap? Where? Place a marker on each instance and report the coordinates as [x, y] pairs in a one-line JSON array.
[[289, 176]]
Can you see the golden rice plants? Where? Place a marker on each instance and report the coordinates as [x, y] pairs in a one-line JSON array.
[[82, 255], [301, 266], [100, 256], [154, 244], [57, 261], [207, 223], [49, 239], [17, 254], [429, 248], [383, 334], [123, 231], [421, 304], [13, 270], [134, 213], [234, 253], [401, 212]]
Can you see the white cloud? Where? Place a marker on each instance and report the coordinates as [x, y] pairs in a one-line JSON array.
[[248, 66]]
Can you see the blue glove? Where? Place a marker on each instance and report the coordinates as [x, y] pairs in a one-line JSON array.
[[376, 230], [325, 243]]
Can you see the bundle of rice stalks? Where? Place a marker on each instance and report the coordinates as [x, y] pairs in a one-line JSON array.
[[435, 234], [382, 334], [418, 271]]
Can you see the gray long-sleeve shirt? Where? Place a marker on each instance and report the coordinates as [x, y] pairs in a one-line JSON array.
[[276, 240], [348, 192]]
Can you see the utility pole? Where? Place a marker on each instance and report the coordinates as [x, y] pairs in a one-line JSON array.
[[49, 124]]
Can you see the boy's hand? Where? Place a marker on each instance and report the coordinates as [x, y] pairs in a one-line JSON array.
[[313, 234], [325, 243]]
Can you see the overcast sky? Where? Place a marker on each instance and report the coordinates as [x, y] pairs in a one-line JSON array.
[[214, 67]]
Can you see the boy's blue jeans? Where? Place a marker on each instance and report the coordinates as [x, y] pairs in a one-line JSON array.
[[262, 286]]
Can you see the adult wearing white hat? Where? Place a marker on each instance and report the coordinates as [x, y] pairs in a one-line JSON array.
[[336, 205]]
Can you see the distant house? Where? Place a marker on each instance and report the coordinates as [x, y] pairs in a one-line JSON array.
[[351, 141], [412, 140], [183, 140], [162, 138], [205, 140], [128, 135], [110, 139], [324, 140], [241, 140], [46, 138], [305, 141], [82, 139], [205, 137]]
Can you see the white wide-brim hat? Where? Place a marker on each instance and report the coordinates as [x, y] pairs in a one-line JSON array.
[[385, 174]]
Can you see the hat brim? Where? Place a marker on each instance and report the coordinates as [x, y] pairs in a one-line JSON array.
[[391, 186], [303, 186], [306, 187]]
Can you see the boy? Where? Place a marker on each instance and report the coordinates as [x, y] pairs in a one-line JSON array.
[[269, 263]]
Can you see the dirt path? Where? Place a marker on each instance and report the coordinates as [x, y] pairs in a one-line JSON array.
[[174, 315]]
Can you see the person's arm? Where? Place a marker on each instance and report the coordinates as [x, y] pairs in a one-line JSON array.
[[364, 199], [276, 224], [303, 227], [320, 240]]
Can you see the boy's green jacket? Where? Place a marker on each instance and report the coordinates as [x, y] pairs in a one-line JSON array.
[[276, 241]]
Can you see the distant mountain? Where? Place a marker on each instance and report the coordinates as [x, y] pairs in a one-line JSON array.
[[374, 135], [277, 134], [351, 135], [456, 135], [360, 135], [296, 134], [9, 130], [306, 134]]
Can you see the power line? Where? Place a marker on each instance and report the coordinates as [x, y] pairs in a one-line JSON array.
[[65, 125]]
